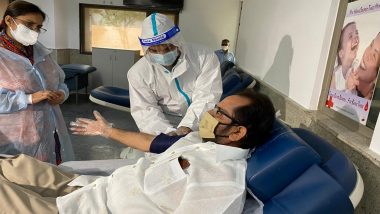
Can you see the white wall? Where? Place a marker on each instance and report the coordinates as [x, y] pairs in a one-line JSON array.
[[209, 22], [56, 23], [73, 23], [61, 25], [286, 44], [48, 38]]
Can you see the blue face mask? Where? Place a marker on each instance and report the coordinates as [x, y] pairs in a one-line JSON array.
[[166, 59]]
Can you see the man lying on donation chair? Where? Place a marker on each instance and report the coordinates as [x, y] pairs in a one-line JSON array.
[[201, 172]]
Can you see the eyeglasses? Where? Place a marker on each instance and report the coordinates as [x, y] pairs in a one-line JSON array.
[[219, 112], [31, 26], [161, 49]]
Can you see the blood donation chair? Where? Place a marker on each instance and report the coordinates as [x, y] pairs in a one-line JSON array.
[[295, 171], [225, 66], [76, 77], [235, 80], [110, 96]]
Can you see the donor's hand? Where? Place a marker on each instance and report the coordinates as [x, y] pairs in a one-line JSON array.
[[99, 126]]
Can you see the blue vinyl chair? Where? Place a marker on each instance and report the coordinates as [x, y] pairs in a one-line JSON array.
[[225, 66], [296, 171], [235, 80], [76, 77], [113, 97]]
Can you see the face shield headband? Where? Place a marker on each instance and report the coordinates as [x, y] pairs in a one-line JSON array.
[[159, 39]]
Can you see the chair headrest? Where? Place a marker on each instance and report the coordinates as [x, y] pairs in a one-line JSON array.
[[278, 162], [230, 80], [226, 65], [237, 70]]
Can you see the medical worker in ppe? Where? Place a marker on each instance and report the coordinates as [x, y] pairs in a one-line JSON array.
[[31, 89], [174, 83]]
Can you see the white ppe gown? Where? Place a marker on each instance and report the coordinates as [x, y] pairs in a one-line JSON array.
[[192, 87], [28, 128]]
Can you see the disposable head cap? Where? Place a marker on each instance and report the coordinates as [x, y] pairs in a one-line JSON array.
[[158, 29]]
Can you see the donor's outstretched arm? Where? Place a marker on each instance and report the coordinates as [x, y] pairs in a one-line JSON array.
[[100, 126]]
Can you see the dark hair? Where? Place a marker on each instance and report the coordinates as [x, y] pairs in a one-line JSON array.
[[225, 41], [341, 39], [257, 117], [19, 8]]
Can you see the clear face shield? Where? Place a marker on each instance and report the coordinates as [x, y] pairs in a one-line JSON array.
[[163, 49]]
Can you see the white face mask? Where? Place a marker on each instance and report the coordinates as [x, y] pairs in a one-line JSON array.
[[166, 59], [24, 35], [225, 47]]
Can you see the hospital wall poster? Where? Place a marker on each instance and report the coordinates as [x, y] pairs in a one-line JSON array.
[[357, 61]]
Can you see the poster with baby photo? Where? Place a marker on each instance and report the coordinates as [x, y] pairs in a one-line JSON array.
[[357, 61]]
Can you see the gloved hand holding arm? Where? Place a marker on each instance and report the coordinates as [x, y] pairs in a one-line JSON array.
[[182, 130]]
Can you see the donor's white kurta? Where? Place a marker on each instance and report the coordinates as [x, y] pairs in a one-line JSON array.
[[213, 183]]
